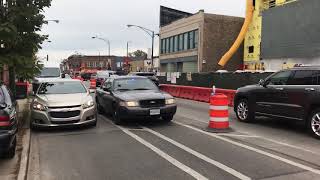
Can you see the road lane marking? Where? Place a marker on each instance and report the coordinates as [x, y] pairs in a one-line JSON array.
[[200, 156], [164, 155], [267, 139], [316, 171]]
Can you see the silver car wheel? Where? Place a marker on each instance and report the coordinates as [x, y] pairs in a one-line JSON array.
[[315, 124], [242, 110]]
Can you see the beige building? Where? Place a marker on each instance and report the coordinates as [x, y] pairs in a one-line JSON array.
[[196, 43]]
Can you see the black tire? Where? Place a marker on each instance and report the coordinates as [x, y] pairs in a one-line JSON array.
[[115, 116], [167, 118], [313, 123], [243, 111], [99, 107], [12, 150]]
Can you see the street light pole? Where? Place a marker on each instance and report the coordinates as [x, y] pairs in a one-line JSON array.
[[105, 40], [150, 33]]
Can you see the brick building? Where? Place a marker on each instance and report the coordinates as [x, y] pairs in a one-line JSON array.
[[80, 63], [196, 42]]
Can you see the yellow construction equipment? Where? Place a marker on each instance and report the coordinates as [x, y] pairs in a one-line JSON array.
[[225, 58]]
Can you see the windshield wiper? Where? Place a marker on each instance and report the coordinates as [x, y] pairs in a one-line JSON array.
[[123, 89], [141, 89]]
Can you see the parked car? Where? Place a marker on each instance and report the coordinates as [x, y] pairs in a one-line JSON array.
[[63, 102], [104, 75], [8, 123], [126, 97], [46, 73], [292, 94], [151, 75]]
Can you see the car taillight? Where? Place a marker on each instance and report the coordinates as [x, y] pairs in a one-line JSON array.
[[4, 121]]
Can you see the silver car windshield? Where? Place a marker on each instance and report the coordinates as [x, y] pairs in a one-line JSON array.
[[62, 88]]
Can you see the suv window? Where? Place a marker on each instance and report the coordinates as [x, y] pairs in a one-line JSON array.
[[279, 78], [303, 78]]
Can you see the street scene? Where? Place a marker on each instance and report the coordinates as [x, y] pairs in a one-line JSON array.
[[167, 90]]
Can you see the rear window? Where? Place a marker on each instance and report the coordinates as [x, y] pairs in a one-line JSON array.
[[49, 72], [145, 74]]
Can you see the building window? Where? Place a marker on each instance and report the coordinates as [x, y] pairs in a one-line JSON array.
[[162, 46], [88, 64], [196, 38], [180, 42], [191, 40], [185, 41], [171, 45], [176, 43], [251, 49], [167, 45]]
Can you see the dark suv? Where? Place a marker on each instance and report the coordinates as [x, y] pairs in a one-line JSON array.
[[8, 123], [292, 94]]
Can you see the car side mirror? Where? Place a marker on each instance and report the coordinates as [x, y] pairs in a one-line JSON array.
[[92, 91], [262, 82], [63, 75], [106, 89]]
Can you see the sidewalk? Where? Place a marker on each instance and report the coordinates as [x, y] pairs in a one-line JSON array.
[[9, 168]]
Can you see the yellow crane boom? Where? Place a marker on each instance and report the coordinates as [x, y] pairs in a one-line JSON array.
[[249, 13]]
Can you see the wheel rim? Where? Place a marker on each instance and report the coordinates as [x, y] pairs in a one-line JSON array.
[[242, 110], [315, 124]]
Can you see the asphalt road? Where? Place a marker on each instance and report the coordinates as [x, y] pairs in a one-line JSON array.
[[182, 149]]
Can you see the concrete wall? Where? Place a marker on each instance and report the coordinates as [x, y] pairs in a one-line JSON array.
[[219, 34]]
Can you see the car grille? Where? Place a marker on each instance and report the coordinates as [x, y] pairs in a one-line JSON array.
[[65, 122], [68, 114], [62, 107], [152, 103]]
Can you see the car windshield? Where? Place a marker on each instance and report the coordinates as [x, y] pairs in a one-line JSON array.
[[62, 88], [49, 72], [134, 84]]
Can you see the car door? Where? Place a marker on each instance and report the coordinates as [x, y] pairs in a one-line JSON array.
[[11, 104], [301, 90], [270, 98], [107, 96]]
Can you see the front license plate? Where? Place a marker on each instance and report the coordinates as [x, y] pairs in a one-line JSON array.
[[154, 112]]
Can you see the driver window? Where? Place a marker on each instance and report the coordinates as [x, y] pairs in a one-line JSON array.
[[280, 78]]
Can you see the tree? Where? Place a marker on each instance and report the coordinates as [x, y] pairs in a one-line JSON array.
[[20, 24], [138, 53]]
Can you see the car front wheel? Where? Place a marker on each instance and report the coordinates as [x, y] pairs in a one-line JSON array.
[[167, 118], [12, 151], [115, 117], [243, 111], [314, 123]]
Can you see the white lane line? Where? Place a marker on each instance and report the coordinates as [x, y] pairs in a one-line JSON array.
[[316, 171], [164, 155], [267, 139], [238, 135], [201, 156]]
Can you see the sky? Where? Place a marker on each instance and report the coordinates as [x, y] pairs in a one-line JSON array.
[[79, 20]]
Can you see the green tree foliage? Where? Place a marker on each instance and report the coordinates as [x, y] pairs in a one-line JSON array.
[[20, 24], [138, 53]]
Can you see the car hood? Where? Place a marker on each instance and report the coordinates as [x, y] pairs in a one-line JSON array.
[[57, 100], [249, 87], [142, 95]]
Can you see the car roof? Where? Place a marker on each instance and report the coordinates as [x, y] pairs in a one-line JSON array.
[[316, 67], [60, 80], [128, 77]]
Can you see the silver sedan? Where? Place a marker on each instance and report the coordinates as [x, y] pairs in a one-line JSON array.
[[63, 102]]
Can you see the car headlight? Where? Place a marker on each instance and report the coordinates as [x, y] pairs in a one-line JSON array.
[[88, 104], [170, 101], [38, 106], [129, 103]]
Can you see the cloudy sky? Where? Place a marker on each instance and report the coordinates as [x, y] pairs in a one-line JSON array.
[[82, 19]]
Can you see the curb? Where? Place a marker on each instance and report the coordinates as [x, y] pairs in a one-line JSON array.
[[22, 175]]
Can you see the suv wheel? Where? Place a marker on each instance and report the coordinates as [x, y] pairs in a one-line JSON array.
[[314, 123], [12, 151], [167, 118], [115, 117], [243, 112]]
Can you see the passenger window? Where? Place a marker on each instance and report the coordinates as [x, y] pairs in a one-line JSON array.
[[316, 78], [302, 78], [280, 78]]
